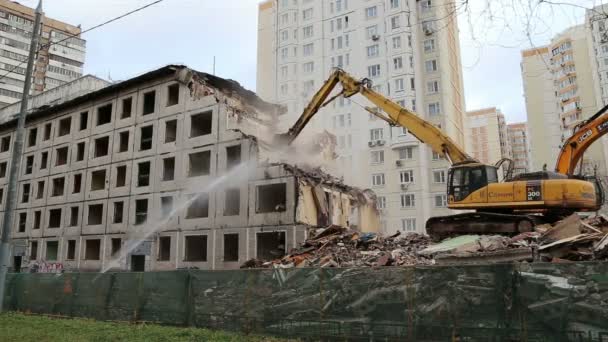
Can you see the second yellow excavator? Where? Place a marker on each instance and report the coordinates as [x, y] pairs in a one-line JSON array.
[[510, 206]]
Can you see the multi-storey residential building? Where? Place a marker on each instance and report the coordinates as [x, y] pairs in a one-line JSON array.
[[518, 137], [409, 50], [487, 137], [59, 61]]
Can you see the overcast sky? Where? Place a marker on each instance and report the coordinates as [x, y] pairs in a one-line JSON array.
[[193, 31]]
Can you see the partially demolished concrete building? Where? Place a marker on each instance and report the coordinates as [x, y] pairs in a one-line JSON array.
[[164, 171]]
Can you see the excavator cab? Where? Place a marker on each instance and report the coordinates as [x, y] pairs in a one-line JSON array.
[[467, 178]]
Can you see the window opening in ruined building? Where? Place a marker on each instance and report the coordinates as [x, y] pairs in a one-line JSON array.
[[172, 95], [98, 180], [31, 138], [52, 248], [127, 106], [231, 247], [1, 194], [102, 147], [65, 126], [44, 157], [121, 176], [95, 214], [169, 169], [3, 170], [146, 138], [47, 131], [232, 204], [25, 195], [62, 156], [166, 206], [116, 243], [77, 183], [271, 198], [149, 102], [123, 141], [84, 120], [143, 174], [104, 114], [196, 248], [270, 245], [80, 151], [199, 207], [58, 185], [29, 165], [118, 212], [199, 164], [170, 131], [55, 218], [92, 249], [200, 124], [37, 219], [141, 211], [164, 248], [71, 254], [233, 156], [22, 222], [34, 250], [5, 144], [74, 216], [40, 190]]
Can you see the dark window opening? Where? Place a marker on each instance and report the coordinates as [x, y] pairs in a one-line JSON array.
[[95, 214], [77, 183], [121, 176], [84, 120], [149, 102], [102, 147], [22, 222], [58, 185], [65, 126], [166, 206], [118, 212], [37, 219], [47, 131], [44, 157], [270, 245], [127, 106], [62, 156], [98, 180], [233, 156], [116, 243], [31, 138], [123, 141], [25, 196], [5, 144], [29, 165], [71, 254], [172, 95], [164, 248], [196, 248], [54, 218], [170, 131], [231, 247], [80, 151], [3, 170], [1, 194], [199, 207], [271, 198], [200, 124], [141, 211], [92, 249], [34, 250], [232, 203], [168, 169], [146, 138], [74, 216], [40, 190], [199, 164], [143, 174], [104, 114], [52, 247]]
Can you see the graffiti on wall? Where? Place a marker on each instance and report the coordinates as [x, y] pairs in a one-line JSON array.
[[46, 267]]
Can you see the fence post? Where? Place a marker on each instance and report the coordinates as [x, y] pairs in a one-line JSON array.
[[189, 300]]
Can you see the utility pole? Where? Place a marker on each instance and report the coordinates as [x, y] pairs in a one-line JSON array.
[[11, 198]]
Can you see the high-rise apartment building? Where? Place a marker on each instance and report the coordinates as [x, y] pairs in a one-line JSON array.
[[520, 148], [487, 139], [59, 61], [409, 50]]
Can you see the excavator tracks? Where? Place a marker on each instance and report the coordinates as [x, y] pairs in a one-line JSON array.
[[481, 223]]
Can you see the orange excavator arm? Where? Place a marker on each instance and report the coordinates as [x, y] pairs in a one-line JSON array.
[[585, 133]]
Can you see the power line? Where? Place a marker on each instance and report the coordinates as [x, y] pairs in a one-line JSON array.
[[83, 32]]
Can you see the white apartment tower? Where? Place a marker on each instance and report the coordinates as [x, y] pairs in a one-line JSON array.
[[409, 50]]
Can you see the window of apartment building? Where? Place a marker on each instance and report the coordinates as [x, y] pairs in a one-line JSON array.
[[284, 89], [432, 87], [34, 250], [84, 120], [307, 32], [52, 249], [199, 164], [31, 138], [398, 63], [118, 212], [429, 45], [426, 5], [371, 12], [141, 211], [25, 194], [395, 22], [170, 131], [308, 49], [285, 70], [377, 157], [412, 84], [65, 126], [121, 176], [430, 66], [399, 85], [232, 202], [231, 247], [233, 156], [308, 68], [166, 206], [55, 218], [62, 156], [406, 176], [428, 27], [164, 248], [71, 252], [58, 186], [408, 225], [378, 179], [201, 124], [123, 141], [47, 131], [441, 201], [115, 244], [439, 176], [376, 134], [168, 169], [397, 42], [373, 70], [44, 157], [92, 250], [371, 32], [5, 143], [284, 53], [199, 206], [307, 14], [143, 174], [102, 147], [3, 167], [79, 152], [173, 94], [127, 108], [74, 216], [1, 194], [22, 222], [271, 198], [196, 248], [405, 153], [284, 18], [149, 102], [37, 219], [394, 3], [147, 134], [95, 214], [373, 51], [434, 108], [29, 165], [284, 35], [77, 183], [381, 202], [408, 200], [40, 190], [104, 114], [98, 180]]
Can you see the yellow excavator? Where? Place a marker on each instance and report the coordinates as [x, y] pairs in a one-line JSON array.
[[510, 206]]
